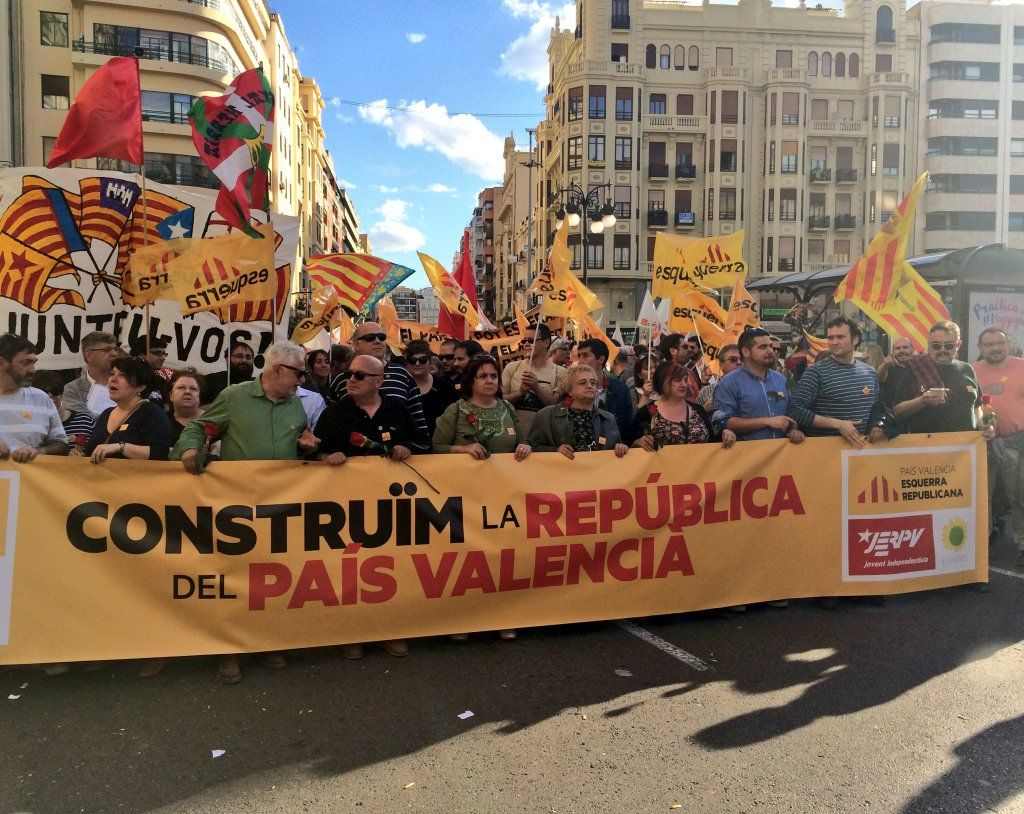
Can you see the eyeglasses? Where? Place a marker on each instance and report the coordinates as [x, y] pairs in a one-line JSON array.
[[372, 337], [446, 357], [359, 375], [943, 345], [526, 341], [418, 360], [102, 349], [300, 372]]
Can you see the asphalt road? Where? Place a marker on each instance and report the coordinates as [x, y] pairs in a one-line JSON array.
[[912, 707]]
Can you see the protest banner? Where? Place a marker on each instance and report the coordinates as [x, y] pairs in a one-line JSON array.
[[684, 263], [66, 239], [133, 559]]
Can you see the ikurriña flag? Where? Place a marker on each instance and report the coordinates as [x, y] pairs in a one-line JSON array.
[[234, 135]]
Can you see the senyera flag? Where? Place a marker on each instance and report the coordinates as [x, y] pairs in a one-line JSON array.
[[234, 134], [106, 118], [361, 279]]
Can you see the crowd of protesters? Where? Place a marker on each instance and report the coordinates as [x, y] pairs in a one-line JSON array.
[[559, 396]]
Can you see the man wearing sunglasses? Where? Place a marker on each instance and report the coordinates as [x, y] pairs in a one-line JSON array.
[[447, 357], [937, 392], [370, 339]]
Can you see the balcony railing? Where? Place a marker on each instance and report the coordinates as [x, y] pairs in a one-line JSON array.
[[623, 165], [148, 52], [846, 176], [837, 127], [657, 217], [846, 222], [164, 116], [623, 211], [790, 119], [676, 124], [892, 122], [182, 176], [787, 264], [657, 171], [819, 221], [885, 35], [620, 21], [820, 175], [686, 219], [885, 217], [686, 171]]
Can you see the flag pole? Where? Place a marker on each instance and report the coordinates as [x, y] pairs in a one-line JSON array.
[[145, 207]]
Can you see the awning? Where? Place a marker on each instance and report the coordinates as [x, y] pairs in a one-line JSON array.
[[832, 276]]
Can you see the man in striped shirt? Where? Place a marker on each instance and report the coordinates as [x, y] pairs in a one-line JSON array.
[[838, 395], [370, 339]]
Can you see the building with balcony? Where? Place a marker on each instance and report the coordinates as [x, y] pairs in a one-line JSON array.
[[798, 125], [406, 302], [430, 306], [972, 139], [511, 234], [481, 247]]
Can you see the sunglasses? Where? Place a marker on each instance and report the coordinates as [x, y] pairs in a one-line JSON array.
[[526, 341], [372, 337], [360, 375], [300, 372], [418, 360], [446, 357], [943, 345]]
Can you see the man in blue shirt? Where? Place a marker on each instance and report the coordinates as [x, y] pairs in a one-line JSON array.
[[751, 402]]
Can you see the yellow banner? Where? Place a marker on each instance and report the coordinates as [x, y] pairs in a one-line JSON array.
[[220, 271], [133, 559], [146, 279], [562, 293], [743, 310], [324, 315], [682, 263]]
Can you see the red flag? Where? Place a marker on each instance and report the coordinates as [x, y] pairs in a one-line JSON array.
[[106, 118], [446, 322]]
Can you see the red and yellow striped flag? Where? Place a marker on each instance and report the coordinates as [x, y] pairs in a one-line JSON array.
[[887, 288]]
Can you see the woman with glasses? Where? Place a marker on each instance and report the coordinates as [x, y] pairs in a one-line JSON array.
[[676, 417], [436, 392], [577, 425]]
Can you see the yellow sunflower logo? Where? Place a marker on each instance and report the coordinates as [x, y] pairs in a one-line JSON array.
[[954, 534]]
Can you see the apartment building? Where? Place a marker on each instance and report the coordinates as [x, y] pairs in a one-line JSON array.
[[971, 85], [481, 246], [511, 233], [429, 305], [186, 49], [406, 302], [798, 125]]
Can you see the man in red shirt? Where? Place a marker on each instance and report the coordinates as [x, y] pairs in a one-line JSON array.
[[1001, 377]]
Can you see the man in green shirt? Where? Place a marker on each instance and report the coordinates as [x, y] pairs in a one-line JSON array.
[[257, 420]]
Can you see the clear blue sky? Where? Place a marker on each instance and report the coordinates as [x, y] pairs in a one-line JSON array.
[[414, 172]]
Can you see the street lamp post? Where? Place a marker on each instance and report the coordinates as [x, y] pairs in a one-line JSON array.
[[577, 205]]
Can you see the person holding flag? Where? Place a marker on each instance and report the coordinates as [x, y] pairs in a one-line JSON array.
[[535, 382]]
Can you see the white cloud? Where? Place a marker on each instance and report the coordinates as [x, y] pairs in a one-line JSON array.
[[392, 233], [344, 118], [386, 190], [526, 57], [415, 38], [347, 184], [335, 101], [463, 139], [435, 187]]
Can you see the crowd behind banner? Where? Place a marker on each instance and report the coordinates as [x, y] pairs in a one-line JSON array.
[[561, 396]]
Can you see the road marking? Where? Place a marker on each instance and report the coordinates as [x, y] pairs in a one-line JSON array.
[[668, 648], [1006, 573]]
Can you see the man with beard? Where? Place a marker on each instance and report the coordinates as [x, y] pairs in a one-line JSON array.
[[240, 369], [447, 357], [902, 350], [29, 424]]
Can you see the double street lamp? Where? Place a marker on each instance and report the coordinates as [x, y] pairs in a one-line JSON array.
[[578, 206]]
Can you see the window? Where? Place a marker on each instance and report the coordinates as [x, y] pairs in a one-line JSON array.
[[841, 251], [819, 110], [623, 104], [790, 108], [974, 184], [595, 149], [966, 71], [1018, 111], [158, 106], [826, 64], [874, 159], [723, 57], [684, 155], [727, 162], [783, 59], [815, 251], [657, 104], [771, 205], [787, 253], [711, 205], [1017, 147], [187, 170], [967, 145], [965, 32], [1018, 35], [787, 204], [854, 66], [816, 206], [574, 244], [1017, 184], [892, 111], [655, 200], [53, 29], [1018, 72], [684, 104], [679, 58], [840, 64], [1016, 222], [665, 58], [890, 200], [727, 203], [623, 152], [575, 104], [884, 31], [964, 109], [684, 202], [620, 52], [595, 251], [56, 92], [773, 104], [713, 106], [623, 202], [790, 157], [819, 159], [960, 221], [730, 106], [575, 152], [620, 13], [620, 252], [812, 63], [693, 62], [844, 110], [596, 102], [771, 157], [883, 63], [711, 156], [769, 254], [48, 144], [651, 57]]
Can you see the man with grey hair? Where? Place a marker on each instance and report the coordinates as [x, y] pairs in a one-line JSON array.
[[88, 393], [258, 420]]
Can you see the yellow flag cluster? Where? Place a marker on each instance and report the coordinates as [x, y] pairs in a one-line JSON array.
[[448, 291], [562, 293], [325, 315]]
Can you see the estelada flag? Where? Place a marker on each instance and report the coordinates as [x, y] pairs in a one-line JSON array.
[[449, 292], [106, 117], [681, 263], [560, 290], [886, 287], [234, 135]]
